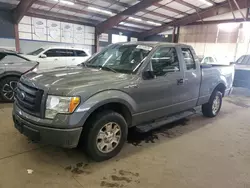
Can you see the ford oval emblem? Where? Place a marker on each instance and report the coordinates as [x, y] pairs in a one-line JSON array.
[[23, 95]]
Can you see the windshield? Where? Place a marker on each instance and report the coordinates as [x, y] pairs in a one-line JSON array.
[[244, 60], [120, 58], [36, 52]]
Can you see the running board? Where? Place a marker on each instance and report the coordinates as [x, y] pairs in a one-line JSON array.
[[163, 121]]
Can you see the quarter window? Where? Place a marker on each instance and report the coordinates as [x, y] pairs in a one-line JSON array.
[[80, 53], [189, 59], [165, 60]]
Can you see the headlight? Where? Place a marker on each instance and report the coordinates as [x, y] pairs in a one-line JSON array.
[[57, 104]]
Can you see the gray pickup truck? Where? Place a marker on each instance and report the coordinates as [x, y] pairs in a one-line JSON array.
[[141, 84]]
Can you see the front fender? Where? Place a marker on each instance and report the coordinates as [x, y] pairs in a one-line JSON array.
[[102, 98]]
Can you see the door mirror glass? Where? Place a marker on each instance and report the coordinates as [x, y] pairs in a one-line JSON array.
[[43, 56], [148, 75]]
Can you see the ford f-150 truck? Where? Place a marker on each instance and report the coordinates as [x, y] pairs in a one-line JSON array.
[[141, 84]]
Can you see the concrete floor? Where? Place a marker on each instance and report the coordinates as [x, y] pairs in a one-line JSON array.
[[194, 152]]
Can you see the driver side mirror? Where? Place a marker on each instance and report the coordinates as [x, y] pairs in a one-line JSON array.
[[43, 56], [147, 75]]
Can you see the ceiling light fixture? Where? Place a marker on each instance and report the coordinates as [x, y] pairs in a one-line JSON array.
[[154, 23], [65, 2], [206, 2], [100, 10], [135, 19]]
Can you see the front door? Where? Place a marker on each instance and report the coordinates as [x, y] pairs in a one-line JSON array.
[[158, 97], [192, 78]]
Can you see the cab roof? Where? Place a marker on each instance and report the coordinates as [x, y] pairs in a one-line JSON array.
[[155, 44]]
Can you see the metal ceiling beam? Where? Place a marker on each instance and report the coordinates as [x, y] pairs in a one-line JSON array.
[[144, 11], [229, 2], [218, 9], [243, 16], [170, 9], [67, 18], [218, 21], [86, 11], [212, 2], [59, 17], [21, 9], [115, 20], [187, 4]]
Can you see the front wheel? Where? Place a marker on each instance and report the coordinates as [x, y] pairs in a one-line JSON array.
[[105, 136], [7, 88], [212, 108]]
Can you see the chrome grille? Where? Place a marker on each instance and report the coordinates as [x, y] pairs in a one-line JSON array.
[[29, 99]]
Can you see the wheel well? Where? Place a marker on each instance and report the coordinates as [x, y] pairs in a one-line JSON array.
[[9, 75], [116, 107], [222, 88]]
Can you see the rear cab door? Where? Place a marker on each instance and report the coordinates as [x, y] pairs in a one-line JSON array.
[[192, 76]]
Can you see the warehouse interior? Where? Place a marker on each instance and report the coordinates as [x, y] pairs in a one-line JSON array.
[[191, 152]]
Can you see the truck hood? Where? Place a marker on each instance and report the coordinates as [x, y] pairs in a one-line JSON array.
[[70, 79]]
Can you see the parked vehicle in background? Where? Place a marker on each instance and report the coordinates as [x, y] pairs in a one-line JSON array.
[[58, 56], [12, 66], [212, 60], [142, 84], [242, 72]]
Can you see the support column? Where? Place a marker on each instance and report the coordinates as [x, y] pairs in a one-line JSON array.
[[173, 35], [17, 41], [97, 42], [177, 35]]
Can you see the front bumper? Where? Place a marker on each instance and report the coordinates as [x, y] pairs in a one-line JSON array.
[[66, 138]]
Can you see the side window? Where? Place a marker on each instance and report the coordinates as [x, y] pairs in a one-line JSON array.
[[53, 53], [211, 60], [165, 60], [206, 60], [59, 53], [69, 53], [80, 53], [12, 59], [189, 59]]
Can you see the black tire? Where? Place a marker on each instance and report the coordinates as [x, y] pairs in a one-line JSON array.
[[90, 134], [207, 109], [8, 84]]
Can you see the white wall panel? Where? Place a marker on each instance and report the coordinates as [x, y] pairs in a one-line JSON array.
[[54, 31], [39, 29]]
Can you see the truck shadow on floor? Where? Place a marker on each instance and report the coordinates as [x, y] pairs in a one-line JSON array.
[[136, 142]]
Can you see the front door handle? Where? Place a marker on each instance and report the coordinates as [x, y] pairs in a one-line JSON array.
[[181, 81]]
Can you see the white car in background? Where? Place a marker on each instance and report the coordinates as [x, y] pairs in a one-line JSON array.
[[57, 56], [212, 60]]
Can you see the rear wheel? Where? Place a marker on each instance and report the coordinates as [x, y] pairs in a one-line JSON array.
[[105, 135], [7, 88], [212, 108]]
